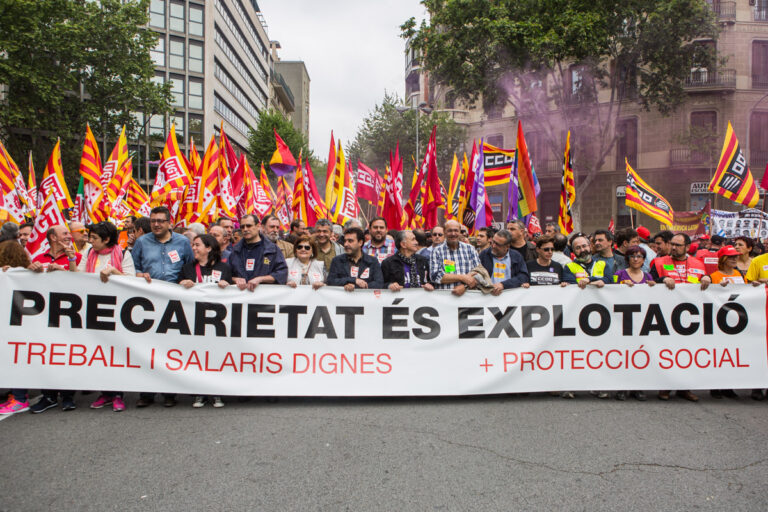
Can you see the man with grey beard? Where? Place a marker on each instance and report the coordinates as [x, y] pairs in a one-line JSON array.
[[270, 228]]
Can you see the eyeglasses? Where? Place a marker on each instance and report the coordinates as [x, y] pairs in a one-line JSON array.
[[78, 230], [547, 249], [636, 256], [303, 247], [158, 221]]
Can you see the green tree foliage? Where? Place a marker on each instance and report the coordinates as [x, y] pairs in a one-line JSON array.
[[261, 141], [567, 64], [385, 126], [68, 62]]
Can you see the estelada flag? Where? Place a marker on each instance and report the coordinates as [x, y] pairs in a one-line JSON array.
[[282, 162], [497, 164], [732, 178], [644, 199]]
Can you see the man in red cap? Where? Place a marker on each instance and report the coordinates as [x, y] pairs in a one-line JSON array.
[[645, 239]]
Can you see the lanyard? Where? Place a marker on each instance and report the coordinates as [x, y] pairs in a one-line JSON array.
[[199, 274]]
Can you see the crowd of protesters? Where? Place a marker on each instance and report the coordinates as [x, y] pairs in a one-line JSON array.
[[443, 258]]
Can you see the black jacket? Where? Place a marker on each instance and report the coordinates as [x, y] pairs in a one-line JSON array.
[[392, 269], [341, 274]]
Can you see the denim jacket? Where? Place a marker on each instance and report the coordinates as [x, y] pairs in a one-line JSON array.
[[162, 261]]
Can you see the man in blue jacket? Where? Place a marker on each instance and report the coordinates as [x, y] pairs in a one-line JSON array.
[[255, 259], [504, 264], [353, 269]]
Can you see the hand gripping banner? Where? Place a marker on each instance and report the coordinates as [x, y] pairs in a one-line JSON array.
[[75, 332]]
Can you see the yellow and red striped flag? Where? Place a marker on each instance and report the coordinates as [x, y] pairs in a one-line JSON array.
[[567, 191], [32, 187], [454, 187], [172, 173], [90, 170], [53, 180], [137, 199], [284, 202], [264, 182], [199, 200], [644, 199], [733, 178], [113, 172], [11, 204]]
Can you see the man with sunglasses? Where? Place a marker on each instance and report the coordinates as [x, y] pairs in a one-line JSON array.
[[679, 268], [79, 236], [504, 264], [255, 259]]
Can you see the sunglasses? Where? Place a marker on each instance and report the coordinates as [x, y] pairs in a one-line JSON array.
[[304, 247], [547, 249]]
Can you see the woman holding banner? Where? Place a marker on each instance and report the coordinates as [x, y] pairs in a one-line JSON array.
[[206, 267], [304, 268], [106, 258]]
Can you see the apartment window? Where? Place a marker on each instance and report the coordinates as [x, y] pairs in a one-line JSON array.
[[233, 88], [157, 14], [494, 111], [230, 116], [158, 52], [178, 120], [761, 10], [157, 125], [229, 52], [196, 129], [195, 94], [177, 90], [176, 19], [158, 79], [195, 20], [176, 53], [760, 64], [536, 150], [758, 138], [196, 57], [706, 120], [626, 145]]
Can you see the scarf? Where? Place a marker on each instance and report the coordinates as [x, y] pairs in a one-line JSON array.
[[411, 262], [116, 258]]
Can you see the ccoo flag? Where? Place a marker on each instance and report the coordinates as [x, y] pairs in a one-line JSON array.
[[644, 199], [732, 178]]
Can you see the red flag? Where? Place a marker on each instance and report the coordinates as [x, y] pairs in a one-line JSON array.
[[393, 191], [534, 226], [367, 179], [764, 182], [49, 216], [611, 225], [433, 198]]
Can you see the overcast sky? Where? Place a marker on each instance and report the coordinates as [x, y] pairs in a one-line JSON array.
[[353, 53]]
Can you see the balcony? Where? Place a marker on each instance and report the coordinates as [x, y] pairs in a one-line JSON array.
[[686, 157], [282, 91], [726, 11], [549, 167], [705, 80]]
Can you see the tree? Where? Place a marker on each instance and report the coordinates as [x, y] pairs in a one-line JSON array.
[[567, 64], [385, 126], [261, 141], [68, 62]]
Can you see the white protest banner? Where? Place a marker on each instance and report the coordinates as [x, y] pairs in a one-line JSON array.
[[71, 331], [749, 222]]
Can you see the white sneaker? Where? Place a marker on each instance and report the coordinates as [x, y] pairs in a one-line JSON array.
[[218, 402], [199, 402]]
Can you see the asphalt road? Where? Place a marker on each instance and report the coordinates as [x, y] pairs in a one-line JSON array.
[[476, 453]]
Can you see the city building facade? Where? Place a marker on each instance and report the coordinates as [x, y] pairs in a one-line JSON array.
[[676, 154]]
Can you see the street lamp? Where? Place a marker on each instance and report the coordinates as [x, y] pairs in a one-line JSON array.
[[422, 107]]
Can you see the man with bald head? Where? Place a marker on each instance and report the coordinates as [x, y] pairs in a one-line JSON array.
[[222, 237], [452, 261], [79, 236], [61, 255]]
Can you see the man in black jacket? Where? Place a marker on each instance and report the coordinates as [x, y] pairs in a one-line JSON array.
[[355, 269], [504, 264], [406, 269]]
